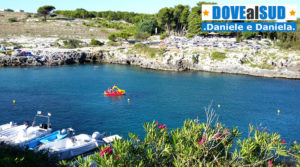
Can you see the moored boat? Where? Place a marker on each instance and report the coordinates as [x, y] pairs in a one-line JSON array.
[[73, 146], [23, 134]]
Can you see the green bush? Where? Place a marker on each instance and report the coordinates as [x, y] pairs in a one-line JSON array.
[[12, 20], [195, 60], [112, 37], [124, 35], [72, 43], [12, 156], [114, 25], [95, 42], [145, 50], [163, 35], [218, 56], [189, 35], [6, 51], [194, 144], [9, 10], [112, 43], [141, 36], [263, 66]]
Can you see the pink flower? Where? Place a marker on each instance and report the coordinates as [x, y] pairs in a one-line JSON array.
[[218, 135], [162, 126], [117, 157], [202, 141], [106, 150], [270, 163], [226, 130], [156, 123], [283, 141]]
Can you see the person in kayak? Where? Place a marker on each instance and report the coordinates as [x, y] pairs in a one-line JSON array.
[[114, 88]]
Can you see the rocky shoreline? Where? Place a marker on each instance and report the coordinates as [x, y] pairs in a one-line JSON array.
[[55, 57]]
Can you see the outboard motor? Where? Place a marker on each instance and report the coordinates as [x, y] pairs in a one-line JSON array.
[[71, 132], [97, 135], [63, 132]]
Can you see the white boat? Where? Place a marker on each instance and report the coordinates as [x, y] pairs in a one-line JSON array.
[[7, 133], [23, 134], [73, 146], [7, 126]]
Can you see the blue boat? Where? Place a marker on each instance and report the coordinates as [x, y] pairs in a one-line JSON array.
[[46, 139]]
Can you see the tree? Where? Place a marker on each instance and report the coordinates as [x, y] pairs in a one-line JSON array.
[[184, 19], [194, 21], [9, 10], [45, 10], [81, 13], [148, 25], [180, 19], [195, 18], [165, 18]]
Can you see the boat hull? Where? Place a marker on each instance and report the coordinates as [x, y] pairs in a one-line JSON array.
[[75, 151], [106, 93]]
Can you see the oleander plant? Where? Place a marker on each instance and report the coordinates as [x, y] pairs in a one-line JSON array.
[[196, 144]]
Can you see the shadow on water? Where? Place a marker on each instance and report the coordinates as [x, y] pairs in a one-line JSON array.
[[115, 99]]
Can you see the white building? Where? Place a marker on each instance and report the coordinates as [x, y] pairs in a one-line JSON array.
[[1, 10]]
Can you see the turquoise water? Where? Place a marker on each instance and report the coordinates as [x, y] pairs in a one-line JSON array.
[[74, 96]]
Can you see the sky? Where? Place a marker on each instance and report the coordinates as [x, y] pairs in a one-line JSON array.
[[139, 6]]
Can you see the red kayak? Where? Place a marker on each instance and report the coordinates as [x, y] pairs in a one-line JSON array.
[[106, 93]]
